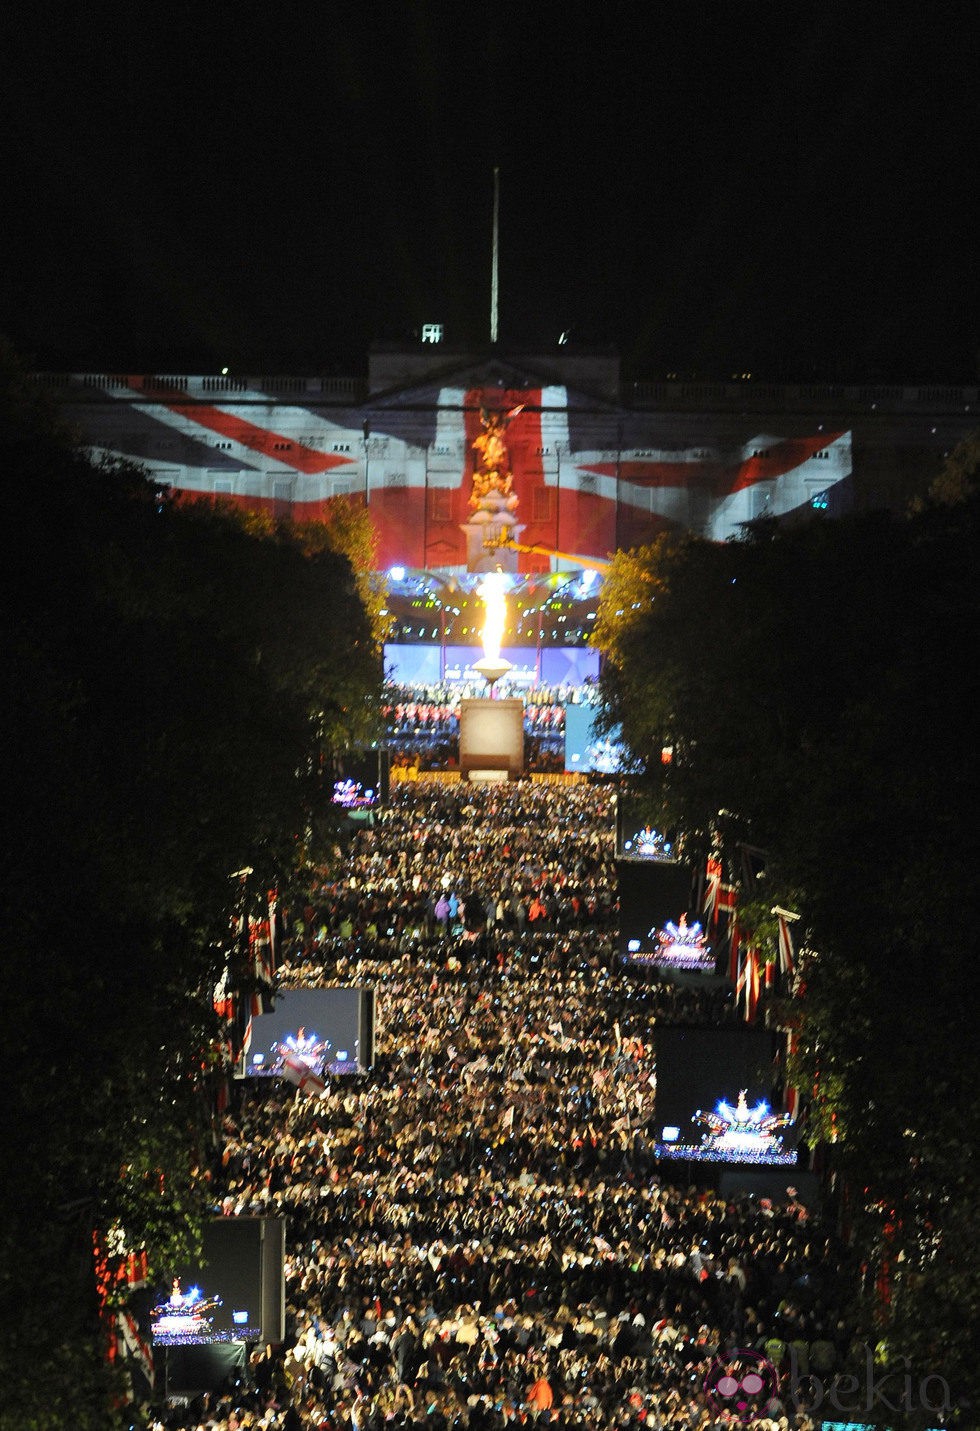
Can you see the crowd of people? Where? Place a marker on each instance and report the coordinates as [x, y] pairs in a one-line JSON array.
[[495, 862], [478, 1232]]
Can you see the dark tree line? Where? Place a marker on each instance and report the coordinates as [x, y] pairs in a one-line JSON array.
[[175, 677], [818, 688]]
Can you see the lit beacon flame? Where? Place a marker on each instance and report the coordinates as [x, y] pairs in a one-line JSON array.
[[493, 591]]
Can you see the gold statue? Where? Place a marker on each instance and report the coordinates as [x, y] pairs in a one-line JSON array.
[[492, 472]]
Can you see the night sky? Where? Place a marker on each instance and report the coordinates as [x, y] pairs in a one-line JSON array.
[[782, 189]]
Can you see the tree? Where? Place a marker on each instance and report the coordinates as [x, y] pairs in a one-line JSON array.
[[815, 686], [175, 677], [959, 477]]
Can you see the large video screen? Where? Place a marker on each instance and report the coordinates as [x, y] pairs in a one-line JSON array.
[[656, 924], [431, 665], [585, 749], [360, 782], [321, 1027], [406, 665], [638, 836], [569, 665], [715, 1098], [234, 1294]]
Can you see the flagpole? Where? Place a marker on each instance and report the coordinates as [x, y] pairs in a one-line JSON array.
[[494, 258]]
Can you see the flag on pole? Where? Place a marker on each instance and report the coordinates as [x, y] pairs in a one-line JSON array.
[[712, 884], [734, 940], [134, 1346], [260, 950], [751, 984], [787, 958], [238, 928], [741, 974], [260, 1003], [727, 902], [118, 1274]]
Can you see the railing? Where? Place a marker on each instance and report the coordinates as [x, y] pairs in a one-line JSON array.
[[408, 775], [804, 397], [241, 389], [656, 396], [400, 775]]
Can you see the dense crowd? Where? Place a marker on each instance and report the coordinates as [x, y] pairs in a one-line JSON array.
[[450, 860], [478, 1234]]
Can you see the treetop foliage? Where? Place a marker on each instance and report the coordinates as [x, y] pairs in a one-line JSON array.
[[176, 677], [816, 687]]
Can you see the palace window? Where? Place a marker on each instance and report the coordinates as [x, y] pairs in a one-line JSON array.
[[440, 504], [542, 504]]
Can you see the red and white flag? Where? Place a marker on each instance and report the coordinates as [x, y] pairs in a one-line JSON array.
[[727, 902], [712, 884], [734, 940], [751, 984], [260, 950], [301, 1075], [259, 1003], [787, 957], [133, 1344]]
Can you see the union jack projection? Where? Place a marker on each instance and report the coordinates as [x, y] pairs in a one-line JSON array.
[[590, 477]]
